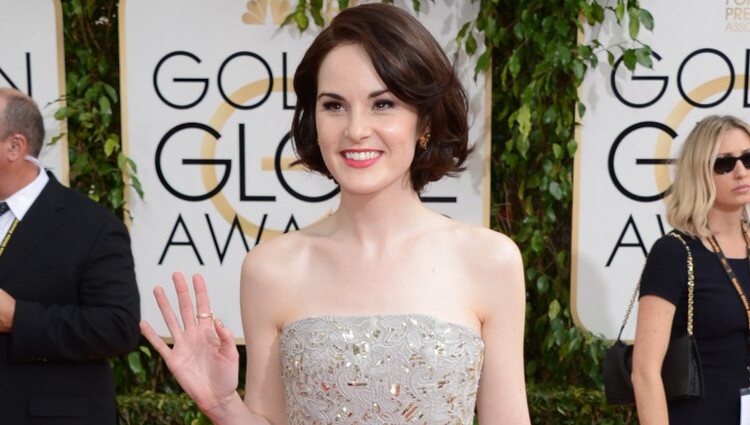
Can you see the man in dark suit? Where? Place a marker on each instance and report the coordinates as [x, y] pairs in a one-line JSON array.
[[68, 296]]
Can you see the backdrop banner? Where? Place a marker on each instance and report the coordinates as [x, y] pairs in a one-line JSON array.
[[207, 104], [31, 60], [633, 128]]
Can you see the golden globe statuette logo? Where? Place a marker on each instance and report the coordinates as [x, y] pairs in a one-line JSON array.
[[257, 11], [208, 151]]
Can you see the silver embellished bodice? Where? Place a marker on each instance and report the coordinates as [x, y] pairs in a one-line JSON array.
[[399, 369]]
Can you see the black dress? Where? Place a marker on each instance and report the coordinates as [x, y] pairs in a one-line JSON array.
[[720, 325]]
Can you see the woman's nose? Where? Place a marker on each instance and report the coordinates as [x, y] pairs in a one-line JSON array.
[[739, 168], [358, 126]]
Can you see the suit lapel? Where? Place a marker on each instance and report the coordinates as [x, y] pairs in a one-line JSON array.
[[44, 216]]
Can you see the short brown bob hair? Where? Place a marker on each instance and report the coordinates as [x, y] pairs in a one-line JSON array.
[[414, 68]]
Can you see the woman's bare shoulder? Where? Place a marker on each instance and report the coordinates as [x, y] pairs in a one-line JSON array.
[[277, 263], [492, 263], [271, 249], [485, 245], [273, 273]]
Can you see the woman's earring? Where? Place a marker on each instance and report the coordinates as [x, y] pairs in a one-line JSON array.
[[424, 140]]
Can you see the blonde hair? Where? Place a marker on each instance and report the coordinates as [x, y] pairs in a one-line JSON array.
[[693, 192]]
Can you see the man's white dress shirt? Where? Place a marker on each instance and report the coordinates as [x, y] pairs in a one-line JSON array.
[[20, 202]]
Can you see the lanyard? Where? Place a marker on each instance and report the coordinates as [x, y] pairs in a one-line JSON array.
[[730, 273], [6, 239], [735, 282]]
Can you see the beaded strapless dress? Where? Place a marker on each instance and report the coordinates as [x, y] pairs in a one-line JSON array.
[[398, 369]]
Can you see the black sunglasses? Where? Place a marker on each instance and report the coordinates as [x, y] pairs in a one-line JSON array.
[[725, 164]]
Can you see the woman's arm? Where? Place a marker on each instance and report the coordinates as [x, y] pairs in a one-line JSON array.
[[204, 358], [502, 387], [263, 296], [655, 316]]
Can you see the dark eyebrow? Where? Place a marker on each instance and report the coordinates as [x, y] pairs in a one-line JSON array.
[[333, 95], [339, 97], [378, 93]]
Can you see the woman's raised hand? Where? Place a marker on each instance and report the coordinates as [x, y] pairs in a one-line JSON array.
[[204, 357]]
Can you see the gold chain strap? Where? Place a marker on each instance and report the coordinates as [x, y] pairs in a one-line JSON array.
[[691, 290], [630, 306], [691, 283]]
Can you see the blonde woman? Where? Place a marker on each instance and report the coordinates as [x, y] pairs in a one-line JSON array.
[[707, 207]]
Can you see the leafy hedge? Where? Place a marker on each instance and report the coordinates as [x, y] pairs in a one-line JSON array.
[[557, 405], [548, 405], [159, 409]]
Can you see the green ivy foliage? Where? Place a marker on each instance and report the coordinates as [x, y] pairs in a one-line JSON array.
[[92, 107]]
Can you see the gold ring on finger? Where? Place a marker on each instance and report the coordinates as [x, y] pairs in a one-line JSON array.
[[209, 315]]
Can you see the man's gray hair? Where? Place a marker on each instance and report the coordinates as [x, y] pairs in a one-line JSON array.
[[21, 115]]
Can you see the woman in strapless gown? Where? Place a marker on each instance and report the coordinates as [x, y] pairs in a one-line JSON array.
[[385, 312]]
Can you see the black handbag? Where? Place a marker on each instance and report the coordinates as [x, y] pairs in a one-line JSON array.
[[681, 370]]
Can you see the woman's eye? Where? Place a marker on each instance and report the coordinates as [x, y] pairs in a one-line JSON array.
[[384, 104], [333, 106]]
